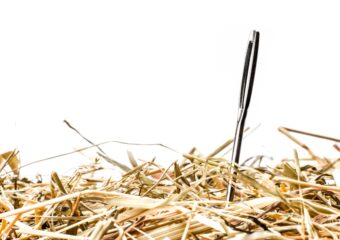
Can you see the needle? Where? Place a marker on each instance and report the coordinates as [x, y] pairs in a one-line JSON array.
[[245, 96]]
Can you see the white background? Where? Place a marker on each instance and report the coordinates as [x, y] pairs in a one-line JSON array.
[[164, 71]]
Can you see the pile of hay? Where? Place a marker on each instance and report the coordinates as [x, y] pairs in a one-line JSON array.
[[185, 201]]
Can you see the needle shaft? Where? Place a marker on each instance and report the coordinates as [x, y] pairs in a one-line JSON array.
[[245, 96]]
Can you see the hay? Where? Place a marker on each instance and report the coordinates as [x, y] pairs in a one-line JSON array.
[[184, 201]]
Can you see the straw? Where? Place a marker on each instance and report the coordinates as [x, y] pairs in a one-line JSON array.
[[183, 201]]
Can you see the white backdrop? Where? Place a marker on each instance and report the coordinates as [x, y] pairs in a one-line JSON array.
[[163, 71]]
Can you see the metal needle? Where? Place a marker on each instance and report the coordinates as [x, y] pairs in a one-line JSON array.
[[245, 96]]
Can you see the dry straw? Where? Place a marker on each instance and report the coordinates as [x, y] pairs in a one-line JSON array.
[[298, 199]]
